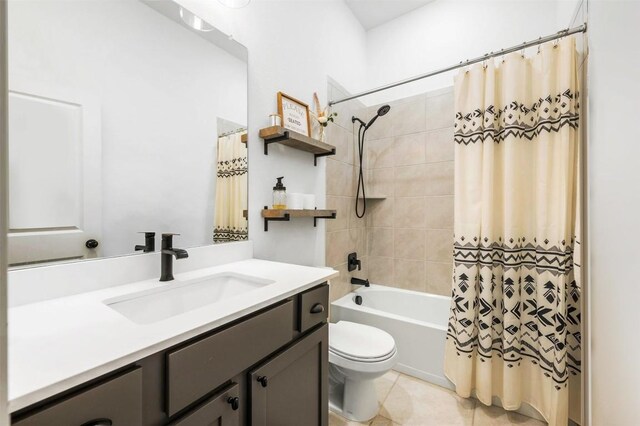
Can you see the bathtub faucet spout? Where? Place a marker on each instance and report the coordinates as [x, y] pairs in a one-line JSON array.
[[358, 281]]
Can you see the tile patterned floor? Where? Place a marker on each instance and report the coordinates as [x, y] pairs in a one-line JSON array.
[[408, 401]]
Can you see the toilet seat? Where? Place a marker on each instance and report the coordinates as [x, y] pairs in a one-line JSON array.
[[360, 343]]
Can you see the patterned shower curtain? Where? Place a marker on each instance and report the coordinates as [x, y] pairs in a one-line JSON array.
[[514, 325], [231, 190]]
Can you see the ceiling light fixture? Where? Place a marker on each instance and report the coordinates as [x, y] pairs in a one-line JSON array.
[[194, 21], [235, 4]]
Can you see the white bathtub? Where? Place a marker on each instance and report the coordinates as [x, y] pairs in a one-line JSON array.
[[417, 321]]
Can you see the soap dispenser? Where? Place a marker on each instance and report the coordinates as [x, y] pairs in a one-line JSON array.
[[279, 195]]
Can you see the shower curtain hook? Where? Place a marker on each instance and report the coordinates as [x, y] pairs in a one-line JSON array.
[[502, 51], [539, 44], [524, 43]]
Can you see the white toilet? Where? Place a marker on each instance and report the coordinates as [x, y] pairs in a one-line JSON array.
[[358, 354]]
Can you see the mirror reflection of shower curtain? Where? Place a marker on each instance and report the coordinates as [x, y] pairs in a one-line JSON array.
[[514, 329], [231, 190]]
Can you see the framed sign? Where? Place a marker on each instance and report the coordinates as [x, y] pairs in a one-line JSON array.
[[295, 114]]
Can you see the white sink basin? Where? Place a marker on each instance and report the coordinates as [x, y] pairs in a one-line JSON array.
[[177, 297]]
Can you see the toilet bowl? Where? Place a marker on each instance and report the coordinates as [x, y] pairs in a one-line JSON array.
[[358, 354]]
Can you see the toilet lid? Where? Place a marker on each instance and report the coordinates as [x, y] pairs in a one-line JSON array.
[[360, 342]]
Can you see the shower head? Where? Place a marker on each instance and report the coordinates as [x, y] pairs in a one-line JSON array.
[[381, 111]]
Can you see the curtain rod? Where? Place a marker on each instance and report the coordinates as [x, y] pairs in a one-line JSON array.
[[233, 132], [563, 33]]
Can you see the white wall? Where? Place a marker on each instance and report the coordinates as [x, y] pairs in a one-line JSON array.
[[293, 47], [614, 201], [160, 88], [4, 415], [445, 32]]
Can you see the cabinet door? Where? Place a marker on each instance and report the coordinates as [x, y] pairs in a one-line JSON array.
[[291, 389], [220, 410]]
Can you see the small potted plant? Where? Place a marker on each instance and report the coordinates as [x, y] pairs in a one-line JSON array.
[[322, 117]]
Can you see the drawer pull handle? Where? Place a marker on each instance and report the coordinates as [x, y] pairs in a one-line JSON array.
[[234, 401], [98, 422], [317, 308], [263, 381]]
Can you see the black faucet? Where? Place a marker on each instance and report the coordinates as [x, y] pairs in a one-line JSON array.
[[166, 258], [358, 281], [149, 242], [353, 262]]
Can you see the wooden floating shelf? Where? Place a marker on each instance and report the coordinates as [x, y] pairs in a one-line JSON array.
[[284, 215], [278, 134]]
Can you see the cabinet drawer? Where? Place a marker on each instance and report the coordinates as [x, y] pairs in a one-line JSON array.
[[219, 409], [313, 307], [197, 369], [117, 402]]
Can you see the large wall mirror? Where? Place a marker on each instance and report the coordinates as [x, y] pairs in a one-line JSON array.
[[125, 117]]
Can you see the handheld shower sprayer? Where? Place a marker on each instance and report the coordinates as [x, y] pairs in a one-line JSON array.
[[361, 133]]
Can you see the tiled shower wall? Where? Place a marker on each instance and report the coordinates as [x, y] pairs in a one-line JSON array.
[[410, 161], [346, 233], [405, 239]]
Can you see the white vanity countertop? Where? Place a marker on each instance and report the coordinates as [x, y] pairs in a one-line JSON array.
[[57, 344]]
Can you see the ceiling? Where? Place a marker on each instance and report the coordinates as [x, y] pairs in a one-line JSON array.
[[372, 13]]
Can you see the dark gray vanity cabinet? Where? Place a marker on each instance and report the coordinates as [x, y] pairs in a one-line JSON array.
[[267, 368], [290, 389], [223, 409]]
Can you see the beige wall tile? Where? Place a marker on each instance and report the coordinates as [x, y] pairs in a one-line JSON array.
[[338, 245], [409, 274], [381, 270], [439, 145], [342, 139], [380, 242], [405, 240], [354, 220], [341, 205], [380, 213], [339, 178], [408, 117], [381, 182], [439, 278], [439, 212], [439, 110], [409, 244], [439, 244], [410, 181], [357, 242], [340, 285], [409, 149], [383, 128], [409, 212], [438, 178], [379, 153]]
